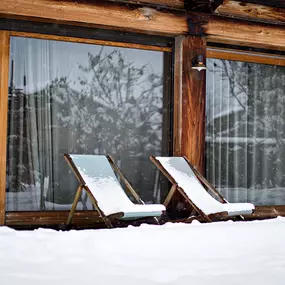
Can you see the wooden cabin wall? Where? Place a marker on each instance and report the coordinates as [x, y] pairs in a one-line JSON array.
[[253, 26]]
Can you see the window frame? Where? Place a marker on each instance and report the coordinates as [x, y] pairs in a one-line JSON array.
[[78, 34], [245, 56], [261, 57], [45, 31]]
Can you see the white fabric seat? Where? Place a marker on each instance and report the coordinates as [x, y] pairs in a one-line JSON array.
[[186, 179], [103, 184]]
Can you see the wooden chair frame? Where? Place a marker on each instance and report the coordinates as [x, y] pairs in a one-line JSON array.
[[210, 188], [108, 220]]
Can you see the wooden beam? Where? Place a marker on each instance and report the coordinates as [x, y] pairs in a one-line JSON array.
[[245, 33], [165, 3], [190, 87], [251, 11], [4, 78], [272, 3], [91, 218], [47, 218], [110, 15], [89, 41], [247, 56], [137, 19], [265, 212], [176, 4]]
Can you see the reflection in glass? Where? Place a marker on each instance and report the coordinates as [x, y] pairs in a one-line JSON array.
[[85, 99], [245, 132]]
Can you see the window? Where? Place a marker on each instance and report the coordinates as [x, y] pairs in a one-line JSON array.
[[82, 98], [245, 130]]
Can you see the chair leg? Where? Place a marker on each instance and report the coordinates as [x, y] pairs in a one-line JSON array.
[[75, 202], [156, 220], [242, 217], [170, 195], [103, 216]]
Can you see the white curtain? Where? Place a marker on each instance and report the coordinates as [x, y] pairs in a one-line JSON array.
[[31, 138], [86, 99], [245, 131]]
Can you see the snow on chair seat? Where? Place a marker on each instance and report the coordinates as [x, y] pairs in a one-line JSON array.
[[181, 174], [97, 177]]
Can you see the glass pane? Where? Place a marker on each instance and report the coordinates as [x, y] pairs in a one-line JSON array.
[[84, 99], [245, 135]]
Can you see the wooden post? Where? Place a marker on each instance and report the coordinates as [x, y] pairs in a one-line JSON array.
[[177, 100], [189, 101], [4, 78]]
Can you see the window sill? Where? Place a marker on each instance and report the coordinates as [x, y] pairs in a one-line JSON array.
[[90, 219]]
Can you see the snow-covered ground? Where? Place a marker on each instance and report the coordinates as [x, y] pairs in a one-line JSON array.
[[223, 253]]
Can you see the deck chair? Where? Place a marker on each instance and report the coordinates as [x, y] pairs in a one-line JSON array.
[[96, 176], [195, 189]]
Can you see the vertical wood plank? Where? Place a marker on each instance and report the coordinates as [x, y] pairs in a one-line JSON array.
[[189, 110], [193, 103], [4, 78], [177, 101], [189, 102]]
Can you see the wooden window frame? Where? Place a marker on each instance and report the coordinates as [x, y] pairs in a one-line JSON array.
[[26, 219], [4, 78], [86, 217], [245, 56], [261, 212], [88, 41]]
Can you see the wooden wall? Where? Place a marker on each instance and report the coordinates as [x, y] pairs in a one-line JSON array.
[[189, 102], [252, 26]]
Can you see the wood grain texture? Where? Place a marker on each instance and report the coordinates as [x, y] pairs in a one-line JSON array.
[[176, 4], [189, 101], [52, 218], [265, 212], [272, 3], [193, 103], [167, 3], [74, 204], [251, 11], [110, 14], [4, 75], [177, 100], [245, 33], [82, 219], [144, 20], [247, 56]]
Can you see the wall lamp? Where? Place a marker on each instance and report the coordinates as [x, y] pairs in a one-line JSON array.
[[198, 63]]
